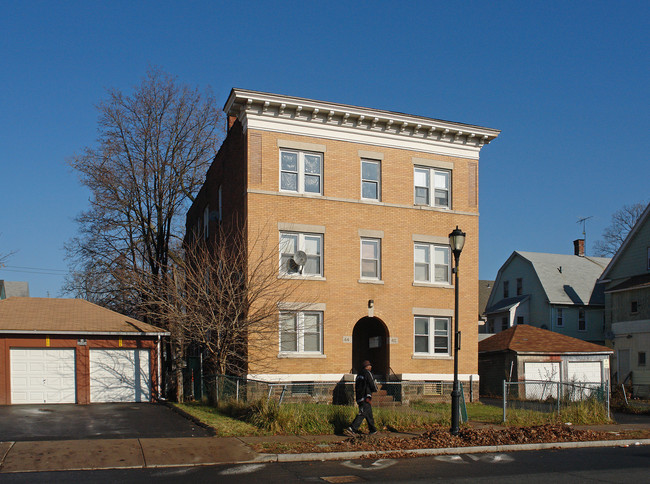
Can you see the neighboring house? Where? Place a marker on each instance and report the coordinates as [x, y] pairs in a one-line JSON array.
[[627, 302], [526, 353], [370, 197], [73, 351], [13, 289], [557, 292], [484, 291]]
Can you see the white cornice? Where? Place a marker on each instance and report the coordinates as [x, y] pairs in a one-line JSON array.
[[320, 119]]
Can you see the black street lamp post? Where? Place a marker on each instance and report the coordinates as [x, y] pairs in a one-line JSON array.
[[456, 241]]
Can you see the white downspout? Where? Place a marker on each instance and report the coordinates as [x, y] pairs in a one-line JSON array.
[[159, 371]]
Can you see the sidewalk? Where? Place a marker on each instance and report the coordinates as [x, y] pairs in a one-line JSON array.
[[192, 451]]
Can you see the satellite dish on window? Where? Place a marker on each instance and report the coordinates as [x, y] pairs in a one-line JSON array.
[[300, 258]]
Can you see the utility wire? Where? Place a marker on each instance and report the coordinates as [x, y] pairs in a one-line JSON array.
[[34, 270]]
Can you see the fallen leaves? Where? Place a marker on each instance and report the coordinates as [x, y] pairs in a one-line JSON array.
[[439, 437]]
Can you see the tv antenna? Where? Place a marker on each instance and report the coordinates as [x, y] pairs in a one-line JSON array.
[[583, 221]]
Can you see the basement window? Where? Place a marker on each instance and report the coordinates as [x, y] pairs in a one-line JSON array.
[[432, 388], [302, 388]]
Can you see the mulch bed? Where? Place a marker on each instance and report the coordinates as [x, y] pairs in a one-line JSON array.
[[439, 437]]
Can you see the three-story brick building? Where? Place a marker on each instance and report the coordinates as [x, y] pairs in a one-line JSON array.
[[367, 199]]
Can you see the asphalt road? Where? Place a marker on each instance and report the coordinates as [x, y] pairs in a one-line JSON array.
[[616, 465], [95, 421]]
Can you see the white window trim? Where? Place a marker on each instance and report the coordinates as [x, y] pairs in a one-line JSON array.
[[300, 336], [301, 172], [301, 246], [431, 187], [431, 354], [378, 163], [431, 275], [361, 259]]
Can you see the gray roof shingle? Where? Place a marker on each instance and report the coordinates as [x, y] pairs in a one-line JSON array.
[[569, 279]]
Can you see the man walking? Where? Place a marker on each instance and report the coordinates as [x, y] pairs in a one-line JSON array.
[[364, 386]]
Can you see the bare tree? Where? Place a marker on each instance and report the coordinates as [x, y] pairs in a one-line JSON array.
[[154, 148], [221, 293], [615, 233]]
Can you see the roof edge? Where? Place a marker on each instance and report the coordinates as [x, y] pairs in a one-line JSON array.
[[95, 333]]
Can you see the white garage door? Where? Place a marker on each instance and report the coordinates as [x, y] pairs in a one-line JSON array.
[[584, 371], [42, 375], [119, 375], [584, 378], [543, 372]]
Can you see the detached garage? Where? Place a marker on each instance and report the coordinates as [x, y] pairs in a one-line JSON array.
[[528, 353], [73, 351]]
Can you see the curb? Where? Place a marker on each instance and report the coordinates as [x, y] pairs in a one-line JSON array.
[[330, 456], [323, 456]]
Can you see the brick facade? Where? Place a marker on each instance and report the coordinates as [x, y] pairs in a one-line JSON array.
[[247, 168]]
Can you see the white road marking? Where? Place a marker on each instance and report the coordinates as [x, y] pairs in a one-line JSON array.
[[454, 459], [243, 469], [469, 458], [375, 466]]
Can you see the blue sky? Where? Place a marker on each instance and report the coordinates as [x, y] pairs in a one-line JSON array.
[[566, 82]]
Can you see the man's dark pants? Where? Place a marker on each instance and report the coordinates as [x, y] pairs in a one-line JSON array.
[[365, 411]]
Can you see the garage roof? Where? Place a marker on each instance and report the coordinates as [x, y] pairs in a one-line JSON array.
[[48, 315], [524, 338]]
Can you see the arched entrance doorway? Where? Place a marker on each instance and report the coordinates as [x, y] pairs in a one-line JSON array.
[[370, 342]]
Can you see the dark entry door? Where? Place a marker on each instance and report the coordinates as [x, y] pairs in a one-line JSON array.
[[370, 342]]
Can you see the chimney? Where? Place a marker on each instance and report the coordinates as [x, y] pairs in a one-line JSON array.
[[579, 247]]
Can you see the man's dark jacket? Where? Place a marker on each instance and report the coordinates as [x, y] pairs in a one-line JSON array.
[[364, 386]]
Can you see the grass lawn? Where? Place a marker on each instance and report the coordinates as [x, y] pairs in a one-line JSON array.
[[579, 413], [223, 425], [269, 418]]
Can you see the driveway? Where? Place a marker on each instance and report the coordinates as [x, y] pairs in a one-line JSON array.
[[95, 421]]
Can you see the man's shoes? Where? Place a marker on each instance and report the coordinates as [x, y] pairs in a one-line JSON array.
[[374, 432], [350, 432]]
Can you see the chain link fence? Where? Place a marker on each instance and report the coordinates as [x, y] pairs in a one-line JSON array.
[[553, 396], [220, 388]]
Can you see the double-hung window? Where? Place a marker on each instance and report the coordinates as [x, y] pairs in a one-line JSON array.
[[310, 244], [370, 258], [560, 318], [582, 321], [431, 335], [301, 332], [370, 180], [301, 172], [432, 187], [432, 263], [206, 222]]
